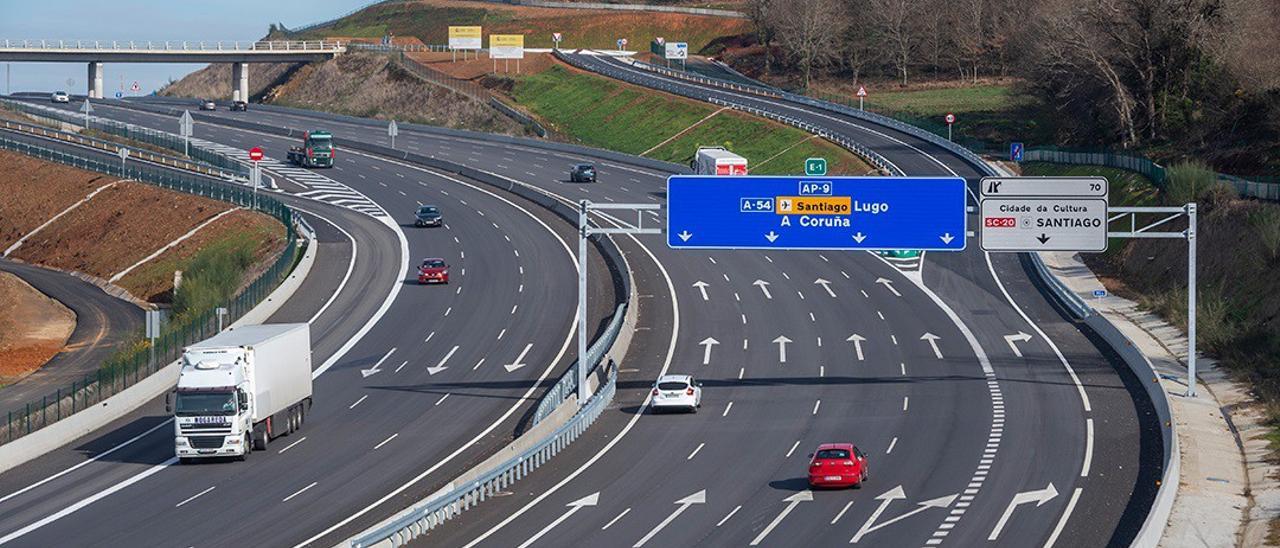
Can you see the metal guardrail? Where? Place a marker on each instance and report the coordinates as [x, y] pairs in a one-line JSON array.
[[135, 153], [173, 45], [133, 132], [422, 519], [568, 383], [136, 363]]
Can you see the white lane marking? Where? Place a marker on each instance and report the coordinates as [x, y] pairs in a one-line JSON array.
[[447, 356], [712, 259], [905, 401], [428, 339], [793, 448], [695, 451], [635, 416], [731, 513], [299, 492], [290, 446], [513, 309], [741, 370], [726, 409], [194, 497], [87, 501], [95, 458], [1088, 444], [822, 370], [477, 365], [812, 318], [816, 405], [1057, 530], [891, 445], [386, 441], [864, 293], [792, 501], [697, 498], [501, 333], [895, 338], [614, 520], [448, 310], [401, 366], [441, 400], [878, 313], [842, 511], [362, 398]]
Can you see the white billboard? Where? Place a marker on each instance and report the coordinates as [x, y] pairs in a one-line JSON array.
[[464, 37], [506, 46], [676, 50]]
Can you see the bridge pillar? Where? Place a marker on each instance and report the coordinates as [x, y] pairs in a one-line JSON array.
[[95, 80], [239, 82]]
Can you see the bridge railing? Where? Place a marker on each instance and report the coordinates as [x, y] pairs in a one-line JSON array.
[[174, 45]]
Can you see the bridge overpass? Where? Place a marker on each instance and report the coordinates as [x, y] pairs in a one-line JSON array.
[[97, 52]]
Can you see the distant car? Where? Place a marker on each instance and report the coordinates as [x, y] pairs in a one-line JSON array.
[[60, 97], [582, 173], [837, 465], [240, 106], [428, 215], [207, 104], [676, 392], [433, 271]]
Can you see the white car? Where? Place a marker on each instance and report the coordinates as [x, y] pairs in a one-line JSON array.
[[676, 392], [60, 97]]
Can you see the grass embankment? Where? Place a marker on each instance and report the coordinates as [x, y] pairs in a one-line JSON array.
[[1237, 254], [429, 21], [608, 114]]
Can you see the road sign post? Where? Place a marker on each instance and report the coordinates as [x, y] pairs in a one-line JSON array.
[[950, 119], [124, 155], [86, 108], [555, 38], [1015, 152], [874, 213], [392, 131], [585, 231], [185, 127], [862, 95], [255, 175]]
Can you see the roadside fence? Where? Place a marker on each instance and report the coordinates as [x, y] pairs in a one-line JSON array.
[[137, 362]]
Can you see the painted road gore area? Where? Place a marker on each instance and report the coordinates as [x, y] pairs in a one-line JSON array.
[[816, 212]]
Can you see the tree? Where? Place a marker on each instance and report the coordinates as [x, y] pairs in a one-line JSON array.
[[809, 30], [761, 18], [894, 25]]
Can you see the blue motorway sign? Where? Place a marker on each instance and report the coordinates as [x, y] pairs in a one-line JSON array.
[[747, 212]]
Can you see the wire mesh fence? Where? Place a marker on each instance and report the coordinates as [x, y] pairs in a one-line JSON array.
[[143, 358]]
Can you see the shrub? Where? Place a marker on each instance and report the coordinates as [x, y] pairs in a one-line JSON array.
[[1194, 182], [210, 280]]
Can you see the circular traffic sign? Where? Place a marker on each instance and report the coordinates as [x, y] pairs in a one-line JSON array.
[[255, 154], [951, 118]]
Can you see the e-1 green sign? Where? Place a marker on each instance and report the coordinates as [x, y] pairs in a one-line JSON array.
[[815, 167]]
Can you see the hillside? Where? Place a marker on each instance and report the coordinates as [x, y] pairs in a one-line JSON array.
[[428, 20], [214, 81]]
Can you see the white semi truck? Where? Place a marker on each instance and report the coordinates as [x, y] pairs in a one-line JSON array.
[[240, 388], [717, 161]]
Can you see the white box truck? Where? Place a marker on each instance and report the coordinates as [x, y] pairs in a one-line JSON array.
[[717, 161], [240, 388]]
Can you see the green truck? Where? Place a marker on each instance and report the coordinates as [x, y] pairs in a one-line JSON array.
[[316, 150]]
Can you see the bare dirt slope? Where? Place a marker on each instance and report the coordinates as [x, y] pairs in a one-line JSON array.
[[34, 190], [214, 81], [33, 328]]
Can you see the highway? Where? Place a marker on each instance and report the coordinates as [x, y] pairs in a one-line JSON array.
[[962, 430], [440, 397]]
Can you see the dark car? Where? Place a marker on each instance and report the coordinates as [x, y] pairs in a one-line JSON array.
[[428, 215], [582, 173], [208, 104], [433, 270], [240, 106]]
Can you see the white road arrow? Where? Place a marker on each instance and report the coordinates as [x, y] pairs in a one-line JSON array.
[[519, 360], [1039, 496], [440, 366], [697, 498], [857, 343], [946, 238], [803, 496], [933, 341], [764, 286], [782, 341], [771, 236], [589, 500], [888, 285], [859, 237], [684, 236], [825, 285], [702, 286], [707, 343], [886, 499], [365, 373], [1023, 337]]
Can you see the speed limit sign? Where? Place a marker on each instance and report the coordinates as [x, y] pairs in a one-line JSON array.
[[950, 118]]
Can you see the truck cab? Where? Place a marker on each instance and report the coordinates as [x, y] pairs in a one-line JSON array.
[[316, 150], [211, 407]]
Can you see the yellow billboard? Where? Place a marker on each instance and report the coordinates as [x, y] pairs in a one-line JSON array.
[[506, 46], [464, 37]]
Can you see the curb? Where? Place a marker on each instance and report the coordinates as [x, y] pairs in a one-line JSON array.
[[69, 429]]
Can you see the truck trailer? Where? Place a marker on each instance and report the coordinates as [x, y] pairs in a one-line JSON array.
[[316, 150], [717, 161], [240, 389]]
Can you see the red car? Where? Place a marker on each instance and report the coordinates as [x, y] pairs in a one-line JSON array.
[[433, 271], [837, 465]]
